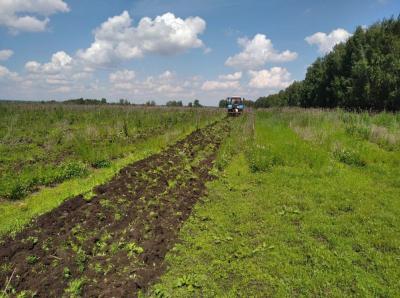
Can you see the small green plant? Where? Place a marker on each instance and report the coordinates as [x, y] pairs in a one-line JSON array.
[[81, 259], [75, 287], [73, 169], [97, 268], [117, 216], [32, 259], [102, 163], [105, 203], [133, 249], [187, 281], [46, 244], [66, 273], [160, 292], [33, 239], [25, 294], [6, 267], [17, 192]]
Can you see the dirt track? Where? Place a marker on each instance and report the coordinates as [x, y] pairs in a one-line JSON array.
[[114, 244]]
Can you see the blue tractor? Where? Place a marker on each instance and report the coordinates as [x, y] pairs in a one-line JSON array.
[[235, 105]]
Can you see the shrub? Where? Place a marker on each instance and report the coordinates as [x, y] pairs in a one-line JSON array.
[[18, 191], [102, 163], [72, 169], [349, 157]]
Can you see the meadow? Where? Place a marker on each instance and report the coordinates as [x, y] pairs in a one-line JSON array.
[[51, 152], [42, 145], [310, 208], [278, 202]]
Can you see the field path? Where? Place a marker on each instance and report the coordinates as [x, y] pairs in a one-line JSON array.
[[114, 244]]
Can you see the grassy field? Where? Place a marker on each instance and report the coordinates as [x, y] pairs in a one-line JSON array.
[[304, 202], [43, 145], [50, 153], [310, 208]]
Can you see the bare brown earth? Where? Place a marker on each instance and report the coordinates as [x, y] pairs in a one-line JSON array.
[[114, 244]]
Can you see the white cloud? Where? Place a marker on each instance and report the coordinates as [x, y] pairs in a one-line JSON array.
[[122, 76], [62, 74], [60, 61], [218, 85], [257, 52], [164, 84], [23, 15], [168, 88], [207, 51], [166, 75], [6, 74], [231, 77], [274, 78], [326, 42], [5, 54], [123, 79], [117, 40]]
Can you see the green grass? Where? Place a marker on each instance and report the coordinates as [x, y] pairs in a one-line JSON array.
[[43, 145], [290, 216], [16, 214]]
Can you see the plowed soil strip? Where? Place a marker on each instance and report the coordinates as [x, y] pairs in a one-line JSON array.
[[114, 244]]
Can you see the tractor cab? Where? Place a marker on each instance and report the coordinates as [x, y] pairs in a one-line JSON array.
[[235, 105]]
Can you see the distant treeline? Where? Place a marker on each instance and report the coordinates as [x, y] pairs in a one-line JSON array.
[[361, 74], [174, 103], [88, 101]]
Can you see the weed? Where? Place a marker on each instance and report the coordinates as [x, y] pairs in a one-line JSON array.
[[133, 249], [105, 203], [66, 273], [75, 287], [26, 294], [117, 216], [5, 267], [81, 259], [32, 259], [97, 268], [102, 163], [17, 191], [160, 292], [47, 244], [349, 157], [187, 281]]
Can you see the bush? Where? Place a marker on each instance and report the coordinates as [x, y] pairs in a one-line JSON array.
[[73, 169], [18, 191], [102, 163], [349, 157]]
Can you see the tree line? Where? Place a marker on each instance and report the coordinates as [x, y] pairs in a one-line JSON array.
[[361, 74], [81, 101]]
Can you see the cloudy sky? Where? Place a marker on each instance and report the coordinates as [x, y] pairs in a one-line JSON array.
[[169, 49]]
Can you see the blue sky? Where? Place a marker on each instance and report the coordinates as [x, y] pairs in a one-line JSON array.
[[59, 49]]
